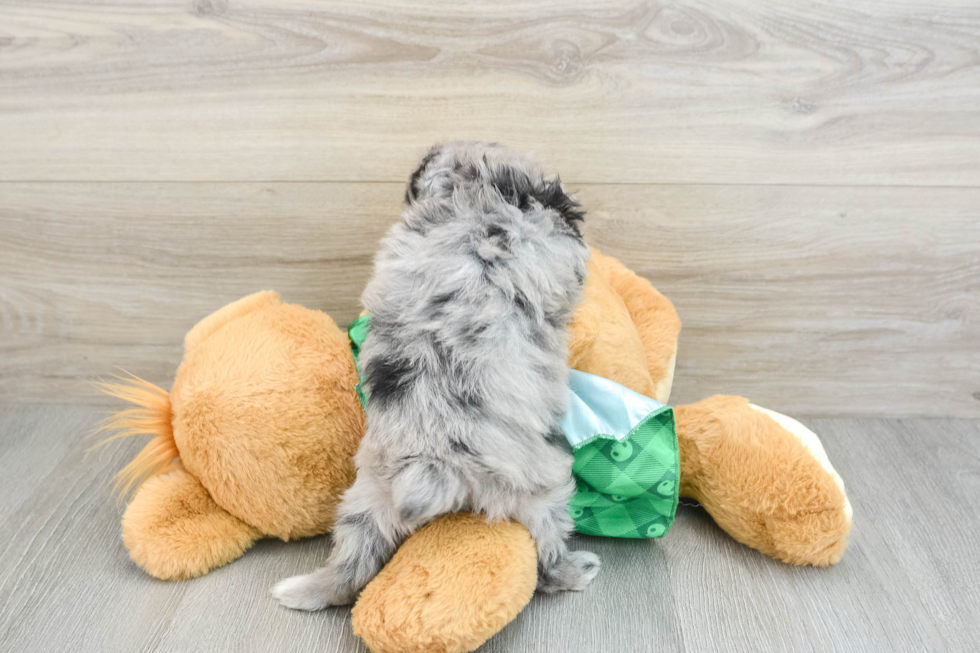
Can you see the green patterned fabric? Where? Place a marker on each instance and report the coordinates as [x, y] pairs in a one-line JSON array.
[[357, 332], [626, 464], [628, 488]]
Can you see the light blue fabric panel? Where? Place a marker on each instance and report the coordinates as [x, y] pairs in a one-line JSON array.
[[600, 406]]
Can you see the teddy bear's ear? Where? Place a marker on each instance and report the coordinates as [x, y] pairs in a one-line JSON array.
[[604, 340], [174, 530], [656, 321], [203, 329]]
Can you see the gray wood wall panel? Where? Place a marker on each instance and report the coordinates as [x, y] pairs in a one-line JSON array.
[[800, 179], [732, 91], [811, 300]]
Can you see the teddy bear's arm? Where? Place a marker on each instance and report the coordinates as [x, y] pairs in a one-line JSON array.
[[764, 478], [654, 316]]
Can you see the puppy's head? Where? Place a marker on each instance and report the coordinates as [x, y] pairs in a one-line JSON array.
[[467, 171]]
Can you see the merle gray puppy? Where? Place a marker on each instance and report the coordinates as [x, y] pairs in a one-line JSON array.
[[466, 368]]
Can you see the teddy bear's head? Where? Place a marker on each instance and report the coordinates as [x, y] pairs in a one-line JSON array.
[[257, 437]]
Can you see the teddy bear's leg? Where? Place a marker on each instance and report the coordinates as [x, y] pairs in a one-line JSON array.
[[449, 587], [174, 530], [656, 321], [764, 478], [370, 525]]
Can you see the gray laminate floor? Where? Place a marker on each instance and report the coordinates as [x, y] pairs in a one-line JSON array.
[[909, 581]]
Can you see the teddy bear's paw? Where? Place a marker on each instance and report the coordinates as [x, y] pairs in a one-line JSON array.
[[573, 573], [811, 441], [310, 592]]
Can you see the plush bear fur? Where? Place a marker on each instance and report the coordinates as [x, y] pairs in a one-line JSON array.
[[265, 420]]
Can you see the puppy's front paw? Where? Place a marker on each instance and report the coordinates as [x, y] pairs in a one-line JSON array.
[[583, 567], [574, 572], [302, 592]]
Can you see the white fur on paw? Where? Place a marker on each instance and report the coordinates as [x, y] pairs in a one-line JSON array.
[[300, 593], [587, 564], [572, 573]]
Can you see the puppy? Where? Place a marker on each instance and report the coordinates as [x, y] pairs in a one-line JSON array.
[[465, 365]]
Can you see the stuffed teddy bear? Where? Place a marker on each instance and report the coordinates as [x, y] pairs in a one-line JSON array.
[[256, 439]]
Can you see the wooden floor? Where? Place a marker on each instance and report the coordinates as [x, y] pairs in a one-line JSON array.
[[910, 580]]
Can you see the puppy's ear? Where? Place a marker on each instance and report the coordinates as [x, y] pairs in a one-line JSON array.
[[553, 196], [413, 189], [514, 186], [518, 188]]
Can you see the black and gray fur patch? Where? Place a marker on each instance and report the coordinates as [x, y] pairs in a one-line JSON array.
[[388, 378], [520, 189]]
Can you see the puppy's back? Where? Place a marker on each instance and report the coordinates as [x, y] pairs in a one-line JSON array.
[[470, 302]]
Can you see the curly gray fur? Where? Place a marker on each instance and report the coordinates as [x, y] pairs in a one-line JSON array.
[[465, 365]]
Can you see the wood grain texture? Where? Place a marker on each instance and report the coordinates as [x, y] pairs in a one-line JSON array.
[[607, 90], [908, 582], [817, 301], [89, 271], [808, 300]]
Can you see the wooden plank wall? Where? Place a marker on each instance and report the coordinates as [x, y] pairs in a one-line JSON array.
[[802, 180]]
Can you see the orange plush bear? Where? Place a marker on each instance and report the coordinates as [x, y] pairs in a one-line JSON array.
[[257, 436]]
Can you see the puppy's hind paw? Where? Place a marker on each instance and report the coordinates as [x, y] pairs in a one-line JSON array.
[[574, 572], [302, 592]]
